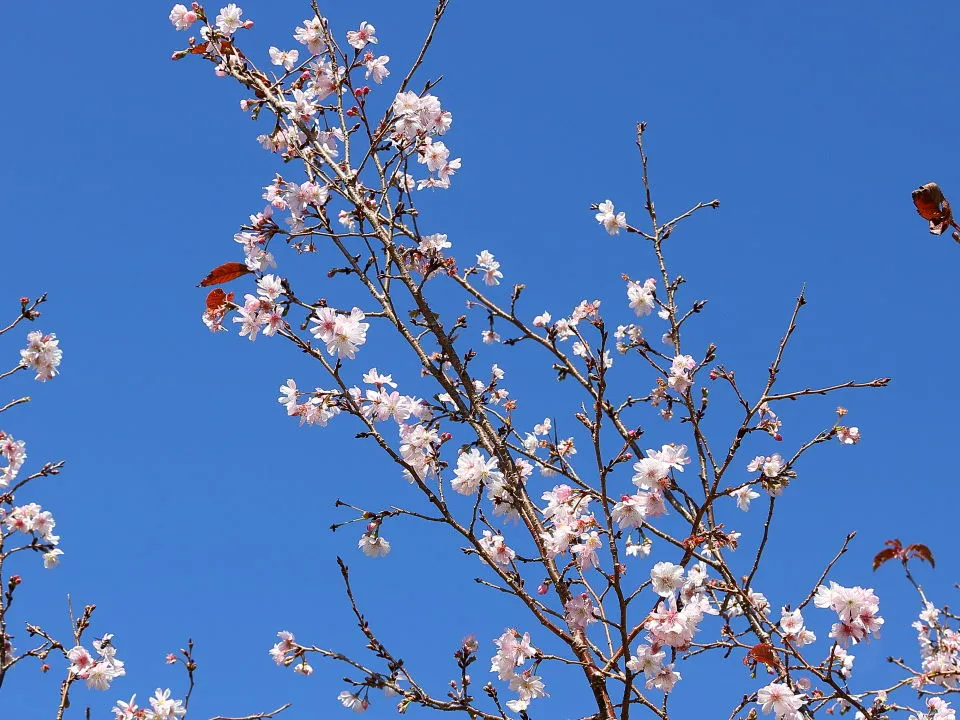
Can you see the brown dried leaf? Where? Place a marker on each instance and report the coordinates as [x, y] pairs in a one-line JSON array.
[[933, 206], [225, 273]]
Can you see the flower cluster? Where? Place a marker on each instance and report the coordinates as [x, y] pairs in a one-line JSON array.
[[416, 120], [342, 333], [97, 672], [260, 312], [15, 453], [641, 297], [650, 663], [781, 700], [42, 355], [31, 519], [162, 707], [567, 518], [513, 650], [613, 222], [939, 649], [318, 409], [857, 609], [675, 619], [490, 268], [580, 612]]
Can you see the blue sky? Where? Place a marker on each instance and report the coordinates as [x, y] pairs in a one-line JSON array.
[[192, 507]]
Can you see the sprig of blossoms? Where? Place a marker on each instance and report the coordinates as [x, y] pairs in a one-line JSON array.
[[858, 610], [42, 355], [513, 650], [613, 222], [98, 673]]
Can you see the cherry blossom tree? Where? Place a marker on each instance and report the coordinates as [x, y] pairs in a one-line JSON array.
[[619, 554]]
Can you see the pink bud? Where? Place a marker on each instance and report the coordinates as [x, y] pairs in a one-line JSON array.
[[171, 658], [24, 300], [542, 588], [248, 24], [189, 17]]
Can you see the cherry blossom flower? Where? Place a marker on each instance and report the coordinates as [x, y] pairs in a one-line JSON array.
[[182, 19], [228, 21], [743, 496], [681, 373], [857, 609], [641, 296], [42, 354], [666, 578], [496, 548], [641, 549], [282, 649], [631, 510], [779, 698], [373, 545], [164, 708], [311, 35], [342, 333], [286, 58], [376, 67], [580, 612], [490, 267], [612, 223], [359, 38], [352, 701], [15, 453], [791, 622], [848, 435], [127, 710], [650, 472], [586, 550], [770, 466], [527, 686]]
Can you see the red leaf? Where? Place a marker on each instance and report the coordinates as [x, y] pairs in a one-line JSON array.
[[217, 299], [918, 550], [225, 273], [762, 653], [881, 557], [933, 206]]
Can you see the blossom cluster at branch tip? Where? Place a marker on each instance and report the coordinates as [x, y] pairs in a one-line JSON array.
[[15, 453], [42, 355], [858, 610], [162, 707], [32, 519], [613, 222], [97, 672], [513, 650]]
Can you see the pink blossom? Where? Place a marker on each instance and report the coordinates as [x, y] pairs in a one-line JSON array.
[[612, 223], [359, 38], [779, 698]]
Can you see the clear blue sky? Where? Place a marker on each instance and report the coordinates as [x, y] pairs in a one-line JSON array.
[[192, 507]]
